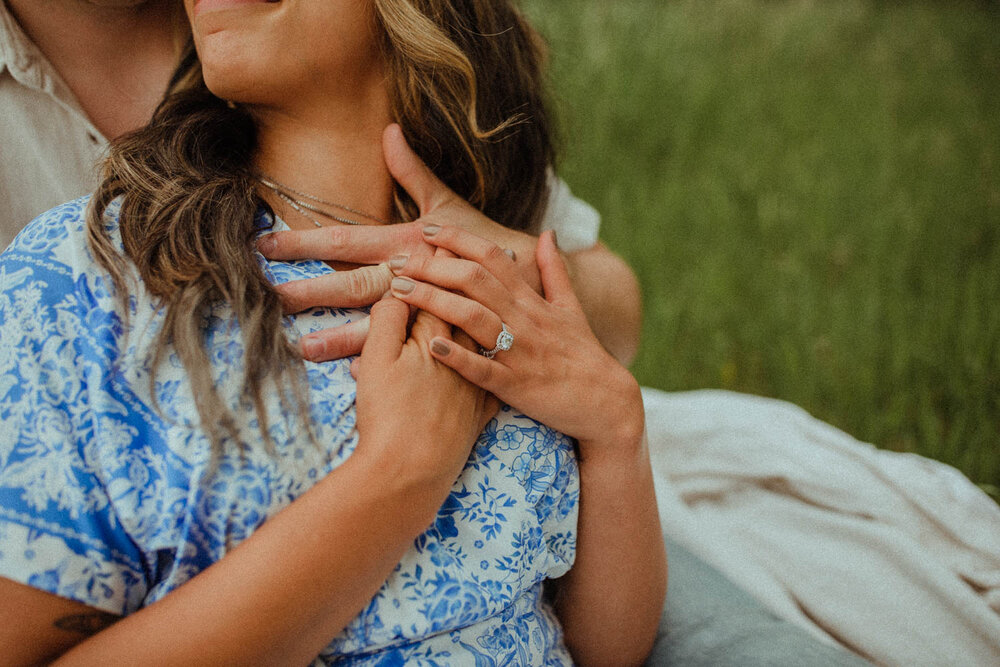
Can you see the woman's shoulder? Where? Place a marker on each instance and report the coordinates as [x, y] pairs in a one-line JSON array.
[[53, 253], [53, 293], [60, 229]]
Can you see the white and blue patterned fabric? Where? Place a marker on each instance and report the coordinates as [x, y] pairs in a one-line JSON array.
[[109, 497]]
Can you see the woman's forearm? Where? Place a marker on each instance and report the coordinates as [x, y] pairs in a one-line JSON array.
[[610, 602], [283, 594]]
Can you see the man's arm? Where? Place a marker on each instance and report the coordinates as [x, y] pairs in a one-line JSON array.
[[609, 293]]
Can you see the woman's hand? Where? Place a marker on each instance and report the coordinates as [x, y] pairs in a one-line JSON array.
[[556, 371], [364, 250], [417, 419], [603, 281], [334, 545]]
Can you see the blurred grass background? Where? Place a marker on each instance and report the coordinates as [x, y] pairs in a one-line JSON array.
[[809, 193]]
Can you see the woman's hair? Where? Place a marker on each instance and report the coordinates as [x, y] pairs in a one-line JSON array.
[[465, 83]]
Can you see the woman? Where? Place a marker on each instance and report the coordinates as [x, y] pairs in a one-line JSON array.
[[67, 86], [192, 418]]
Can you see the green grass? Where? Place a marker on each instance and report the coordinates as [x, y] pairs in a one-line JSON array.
[[810, 195]]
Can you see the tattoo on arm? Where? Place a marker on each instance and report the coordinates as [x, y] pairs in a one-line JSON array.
[[86, 624]]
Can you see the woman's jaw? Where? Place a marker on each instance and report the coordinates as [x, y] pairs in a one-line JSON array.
[[312, 74], [287, 52]]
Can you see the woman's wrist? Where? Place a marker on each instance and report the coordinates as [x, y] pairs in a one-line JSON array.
[[416, 492], [622, 434]]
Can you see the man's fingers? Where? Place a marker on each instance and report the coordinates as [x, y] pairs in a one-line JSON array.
[[353, 288], [491, 406], [410, 171], [336, 343], [361, 244], [465, 340]]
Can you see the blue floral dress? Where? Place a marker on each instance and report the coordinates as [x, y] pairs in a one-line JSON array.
[[108, 494]]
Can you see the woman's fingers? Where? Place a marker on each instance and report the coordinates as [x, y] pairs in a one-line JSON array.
[[556, 283], [427, 191], [477, 249], [462, 275], [387, 330], [352, 288], [471, 316], [491, 375], [336, 343], [427, 326]]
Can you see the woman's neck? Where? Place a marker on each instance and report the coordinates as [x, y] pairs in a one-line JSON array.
[[331, 151], [116, 59]]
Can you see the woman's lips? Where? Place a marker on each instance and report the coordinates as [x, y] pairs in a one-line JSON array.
[[212, 5]]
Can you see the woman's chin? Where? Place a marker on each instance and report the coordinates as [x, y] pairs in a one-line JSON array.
[[200, 7]]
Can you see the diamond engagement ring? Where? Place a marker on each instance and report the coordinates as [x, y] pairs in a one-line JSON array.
[[504, 340]]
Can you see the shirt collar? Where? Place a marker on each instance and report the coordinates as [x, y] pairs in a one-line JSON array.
[[26, 62], [18, 54], [29, 67]]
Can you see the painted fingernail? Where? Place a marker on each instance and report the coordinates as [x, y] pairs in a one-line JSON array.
[[402, 285], [440, 348], [397, 262], [510, 253], [311, 348], [431, 230], [265, 244]]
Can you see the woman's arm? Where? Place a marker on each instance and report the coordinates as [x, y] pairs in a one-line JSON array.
[[278, 598], [37, 627], [557, 372], [611, 601], [286, 591], [604, 283]]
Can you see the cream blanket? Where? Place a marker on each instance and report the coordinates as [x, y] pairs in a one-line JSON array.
[[894, 556]]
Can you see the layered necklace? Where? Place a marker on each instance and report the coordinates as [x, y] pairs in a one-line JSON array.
[[309, 206]]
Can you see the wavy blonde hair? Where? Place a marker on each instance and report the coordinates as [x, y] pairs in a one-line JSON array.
[[465, 81]]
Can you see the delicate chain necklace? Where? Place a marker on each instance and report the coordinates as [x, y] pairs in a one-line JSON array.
[[297, 200]]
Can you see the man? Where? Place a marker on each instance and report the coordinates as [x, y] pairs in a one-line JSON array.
[[74, 73]]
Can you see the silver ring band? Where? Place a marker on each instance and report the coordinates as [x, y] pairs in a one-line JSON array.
[[505, 339]]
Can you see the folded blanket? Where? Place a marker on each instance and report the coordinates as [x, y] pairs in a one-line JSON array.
[[893, 556]]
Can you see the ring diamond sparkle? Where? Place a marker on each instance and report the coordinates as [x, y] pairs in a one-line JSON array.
[[505, 340]]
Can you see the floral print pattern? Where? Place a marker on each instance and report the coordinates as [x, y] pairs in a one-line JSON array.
[[109, 494]]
